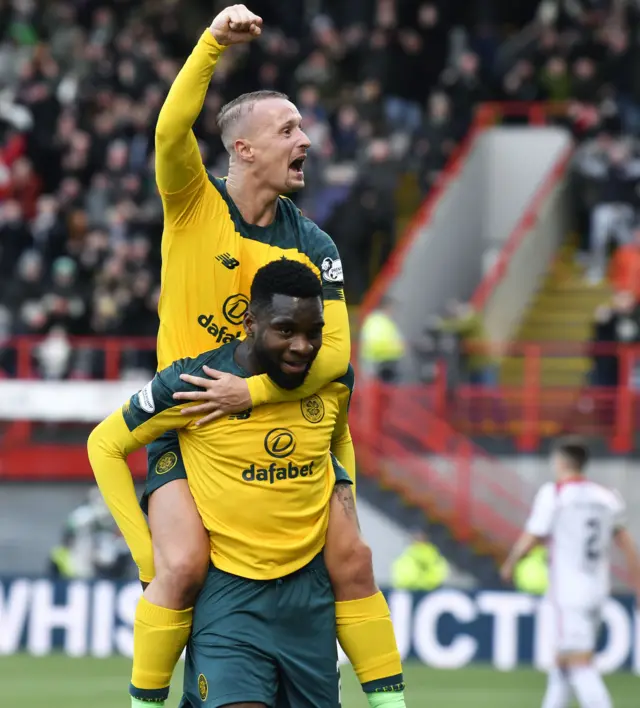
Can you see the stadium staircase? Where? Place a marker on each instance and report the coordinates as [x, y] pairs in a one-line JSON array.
[[560, 320], [562, 311]]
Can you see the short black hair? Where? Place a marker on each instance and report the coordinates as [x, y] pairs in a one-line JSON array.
[[231, 112], [284, 277], [575, 450]]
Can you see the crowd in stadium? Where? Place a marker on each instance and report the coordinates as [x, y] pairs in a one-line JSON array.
[[384, 88]]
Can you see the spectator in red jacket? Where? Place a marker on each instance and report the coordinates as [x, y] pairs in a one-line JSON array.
[[625, 267]]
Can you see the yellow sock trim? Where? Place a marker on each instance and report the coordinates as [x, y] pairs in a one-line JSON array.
[[365, 633], [159, 638]]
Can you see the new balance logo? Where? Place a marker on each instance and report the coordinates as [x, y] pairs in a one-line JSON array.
[[243, 415], [228, 261]]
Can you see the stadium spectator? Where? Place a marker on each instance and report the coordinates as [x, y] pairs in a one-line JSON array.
[[625, 266], [382, 345], [91, 546], [618, 323], [421, 567], [377, 83], [604, 371], [464, 321], [465, 86], [610, 169], [435, 140]]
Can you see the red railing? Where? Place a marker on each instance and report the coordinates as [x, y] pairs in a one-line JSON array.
[[22, 455], [414, 437], [529, 401], [401, 443], [529, 397], [19, 355]]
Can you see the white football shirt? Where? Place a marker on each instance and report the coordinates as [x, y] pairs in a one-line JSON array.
[[578, 518]]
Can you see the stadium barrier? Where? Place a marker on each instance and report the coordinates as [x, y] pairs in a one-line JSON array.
[[529, 407], [446, 629], [44, 423]]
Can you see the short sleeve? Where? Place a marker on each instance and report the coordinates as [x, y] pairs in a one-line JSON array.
[[154, 399], [324, 255], [540, 519]]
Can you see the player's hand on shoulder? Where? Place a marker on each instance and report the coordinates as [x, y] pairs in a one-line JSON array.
[[236, 25], [221, 394]]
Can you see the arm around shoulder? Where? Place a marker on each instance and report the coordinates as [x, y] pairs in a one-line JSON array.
[[108, 446]]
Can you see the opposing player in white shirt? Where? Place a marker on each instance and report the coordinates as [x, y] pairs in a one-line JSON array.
[[578, 519]]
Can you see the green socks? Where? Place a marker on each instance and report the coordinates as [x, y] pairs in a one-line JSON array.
[[137, 703], [386, 699]]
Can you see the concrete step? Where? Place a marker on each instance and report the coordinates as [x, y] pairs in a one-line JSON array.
[[548, 363], [558, 316], [573, 300], [554, 371], [555, 331], [550, 379]]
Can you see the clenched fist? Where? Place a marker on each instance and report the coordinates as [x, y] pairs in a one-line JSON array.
[[236, 25]]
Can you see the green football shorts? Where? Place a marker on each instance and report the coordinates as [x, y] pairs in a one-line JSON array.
[[270, 642], [164, 464]]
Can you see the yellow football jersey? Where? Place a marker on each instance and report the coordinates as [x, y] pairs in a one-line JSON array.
[[262, 479], [210, 254], [209, 265]]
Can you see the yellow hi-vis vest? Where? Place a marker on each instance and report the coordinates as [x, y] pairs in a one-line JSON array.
[[531, 574], [380, 339], [421, 567]]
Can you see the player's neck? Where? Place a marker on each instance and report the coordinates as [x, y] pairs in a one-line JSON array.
[[246, 359], [256, 203], [570, 476]]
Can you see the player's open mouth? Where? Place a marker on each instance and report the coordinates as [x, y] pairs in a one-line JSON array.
[[296, 166], [298, 367]]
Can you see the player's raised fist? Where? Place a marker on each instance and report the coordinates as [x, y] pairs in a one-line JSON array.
[[236, 25]]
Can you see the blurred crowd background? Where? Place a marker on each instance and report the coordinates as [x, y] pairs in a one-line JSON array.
[[387, 90]]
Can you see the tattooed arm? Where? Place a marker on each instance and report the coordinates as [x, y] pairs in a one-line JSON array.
[[346, 503]]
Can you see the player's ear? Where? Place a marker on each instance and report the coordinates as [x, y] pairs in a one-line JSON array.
[[249, 323], [244, 150]]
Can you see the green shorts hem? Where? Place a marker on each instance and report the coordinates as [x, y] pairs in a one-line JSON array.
[[164, 465], [239, 697]]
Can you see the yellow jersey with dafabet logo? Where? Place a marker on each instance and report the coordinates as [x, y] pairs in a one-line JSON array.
[[261, 479], [210, 256]]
